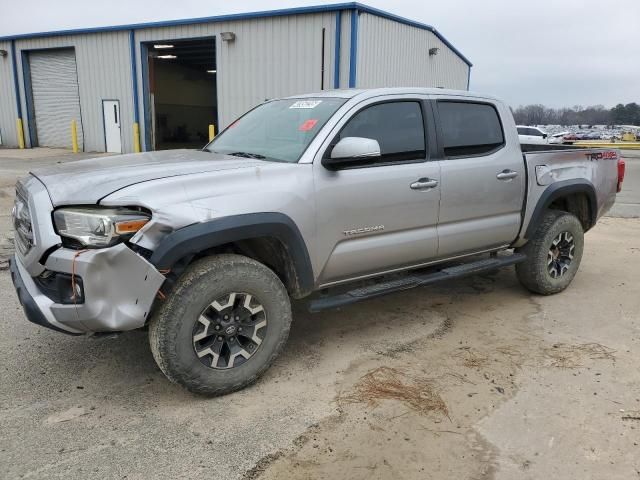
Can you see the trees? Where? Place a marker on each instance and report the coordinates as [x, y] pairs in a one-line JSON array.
[[577, 115], [628, 114]]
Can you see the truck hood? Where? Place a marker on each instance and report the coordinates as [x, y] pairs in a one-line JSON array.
[[88, 181]]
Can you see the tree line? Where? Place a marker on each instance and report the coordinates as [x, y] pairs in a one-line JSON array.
[[628, 114]]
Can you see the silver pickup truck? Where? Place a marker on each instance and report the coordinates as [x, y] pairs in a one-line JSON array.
[[335, 197]]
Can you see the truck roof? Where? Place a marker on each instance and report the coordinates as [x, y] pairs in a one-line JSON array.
[[373, 92]]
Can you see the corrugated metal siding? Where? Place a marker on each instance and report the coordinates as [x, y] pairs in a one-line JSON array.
[[56, 101], [391, 54], [270, 57], [8, 111], [104, 73]]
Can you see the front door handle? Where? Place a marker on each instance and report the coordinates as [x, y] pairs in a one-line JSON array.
[[506, 175], [424, 184]]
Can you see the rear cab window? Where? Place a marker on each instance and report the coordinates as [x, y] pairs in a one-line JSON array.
[[469, 128]]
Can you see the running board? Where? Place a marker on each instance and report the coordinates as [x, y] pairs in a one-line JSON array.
[[413, 280]]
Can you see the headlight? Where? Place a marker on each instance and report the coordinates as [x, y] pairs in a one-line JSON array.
[[98, 227]]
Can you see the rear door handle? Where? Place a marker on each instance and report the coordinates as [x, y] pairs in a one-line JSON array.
[[506, 175], [424, 184]]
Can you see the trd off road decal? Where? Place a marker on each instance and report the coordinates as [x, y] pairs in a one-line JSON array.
[[601, 156]]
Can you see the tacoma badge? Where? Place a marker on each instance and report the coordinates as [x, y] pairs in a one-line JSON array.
[[357, 231]]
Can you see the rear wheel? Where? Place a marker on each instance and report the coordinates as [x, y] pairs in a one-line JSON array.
[[553, 254], [223, 325]]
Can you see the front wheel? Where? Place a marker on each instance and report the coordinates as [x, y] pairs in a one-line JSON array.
[[553, 254], [222, 326]]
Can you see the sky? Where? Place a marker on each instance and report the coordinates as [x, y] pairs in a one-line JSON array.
[[554, 52]]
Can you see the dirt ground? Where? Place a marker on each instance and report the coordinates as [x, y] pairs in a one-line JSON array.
[[473, 379]]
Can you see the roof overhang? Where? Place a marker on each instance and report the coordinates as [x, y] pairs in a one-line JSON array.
[[245, 16]]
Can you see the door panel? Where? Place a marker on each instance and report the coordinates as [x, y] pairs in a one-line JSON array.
[[112, 129], [375, 197], [481, 192], [383, 216], [478, 211]]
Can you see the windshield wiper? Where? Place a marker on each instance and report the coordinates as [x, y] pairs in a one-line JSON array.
[[257, 156]]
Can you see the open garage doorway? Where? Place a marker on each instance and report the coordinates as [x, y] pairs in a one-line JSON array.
[[181, 85]]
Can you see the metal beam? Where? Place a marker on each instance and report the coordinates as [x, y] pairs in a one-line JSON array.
[[353, 54], [16, 84], [336, 56]]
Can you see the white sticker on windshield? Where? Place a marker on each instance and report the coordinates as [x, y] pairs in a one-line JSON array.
[[306, 104]]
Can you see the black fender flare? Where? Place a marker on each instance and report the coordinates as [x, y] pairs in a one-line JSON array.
[[198, 237], [559, 190]]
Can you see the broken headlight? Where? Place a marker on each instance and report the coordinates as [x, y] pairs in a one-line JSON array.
[[99, 227]]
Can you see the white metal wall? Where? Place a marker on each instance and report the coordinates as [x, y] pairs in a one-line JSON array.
[[8, 110], [392, 54], [104, 73], [270, 57]]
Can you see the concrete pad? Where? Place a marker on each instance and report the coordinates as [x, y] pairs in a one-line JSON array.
[[628, 200], [33, 153]]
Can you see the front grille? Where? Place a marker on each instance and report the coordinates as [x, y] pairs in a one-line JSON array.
[[22, 223]]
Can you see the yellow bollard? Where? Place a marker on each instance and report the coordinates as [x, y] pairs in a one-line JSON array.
[[74, 136], [212, 132], [136, 137], [20, 131]]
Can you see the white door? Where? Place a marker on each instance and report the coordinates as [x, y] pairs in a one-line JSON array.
[[111, 113]]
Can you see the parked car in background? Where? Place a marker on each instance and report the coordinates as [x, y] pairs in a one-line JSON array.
[[558, 138], [583, 135], [532, 135]]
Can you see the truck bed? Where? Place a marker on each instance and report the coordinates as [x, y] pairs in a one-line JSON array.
[[536, 147], [554, 167]]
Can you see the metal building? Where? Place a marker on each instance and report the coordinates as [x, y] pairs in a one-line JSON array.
[[160, 85]]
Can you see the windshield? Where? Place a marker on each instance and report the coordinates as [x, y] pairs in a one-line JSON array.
[[279, 131]]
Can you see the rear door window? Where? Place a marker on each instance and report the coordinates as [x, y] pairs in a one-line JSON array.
[[469, 128], [397, 126]]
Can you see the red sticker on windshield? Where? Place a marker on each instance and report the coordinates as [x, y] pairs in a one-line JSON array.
[[308, 125]]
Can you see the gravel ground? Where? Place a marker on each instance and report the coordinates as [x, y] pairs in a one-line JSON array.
[[471, 379]]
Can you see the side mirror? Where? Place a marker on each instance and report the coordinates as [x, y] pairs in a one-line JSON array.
[[544, 135], [352, 151]]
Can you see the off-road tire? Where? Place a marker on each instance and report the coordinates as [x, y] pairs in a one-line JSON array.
[[171, 328], [533, 273]]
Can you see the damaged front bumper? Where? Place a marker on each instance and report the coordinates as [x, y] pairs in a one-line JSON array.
[[118, 289]]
